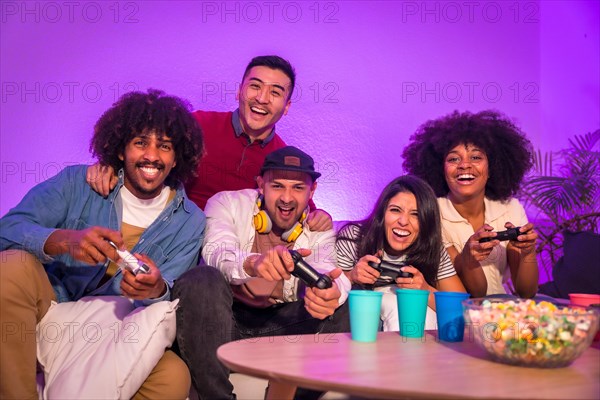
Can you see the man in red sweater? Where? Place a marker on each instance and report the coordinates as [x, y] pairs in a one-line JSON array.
[[237, 142]]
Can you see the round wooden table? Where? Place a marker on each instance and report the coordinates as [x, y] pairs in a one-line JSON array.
[[395, 366]]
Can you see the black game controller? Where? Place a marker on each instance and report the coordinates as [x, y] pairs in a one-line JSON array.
[[308, 274], [390, 270], [509, 234]]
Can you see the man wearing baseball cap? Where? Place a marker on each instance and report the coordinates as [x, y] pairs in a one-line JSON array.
[[251, 291]]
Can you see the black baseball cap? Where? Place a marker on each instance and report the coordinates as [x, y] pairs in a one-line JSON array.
[[290, 158]]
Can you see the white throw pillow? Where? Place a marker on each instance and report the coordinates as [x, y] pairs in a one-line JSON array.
[[102, 347]]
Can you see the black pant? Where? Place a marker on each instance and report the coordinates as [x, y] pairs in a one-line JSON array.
[[208, 317]]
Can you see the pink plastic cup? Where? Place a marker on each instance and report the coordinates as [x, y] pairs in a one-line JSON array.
[[585, 300], [582, 299]]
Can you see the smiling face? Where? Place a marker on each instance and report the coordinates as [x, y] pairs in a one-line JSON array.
[[401, 223], [286, 196], [466, 172], [148, 159], [263, 100]]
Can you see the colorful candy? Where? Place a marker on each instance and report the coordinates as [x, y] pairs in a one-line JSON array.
[[524, 332]]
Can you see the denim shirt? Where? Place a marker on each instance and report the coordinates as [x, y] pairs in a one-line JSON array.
[[66, 201]]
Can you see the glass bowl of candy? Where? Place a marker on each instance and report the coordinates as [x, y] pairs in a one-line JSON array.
[[531, 334]]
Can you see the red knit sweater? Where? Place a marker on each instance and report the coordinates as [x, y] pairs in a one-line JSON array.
[[230, 162]]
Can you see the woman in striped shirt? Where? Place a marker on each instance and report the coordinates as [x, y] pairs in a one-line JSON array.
[[403, 228]]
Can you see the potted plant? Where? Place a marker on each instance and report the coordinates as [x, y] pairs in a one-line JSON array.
[[562, 197]]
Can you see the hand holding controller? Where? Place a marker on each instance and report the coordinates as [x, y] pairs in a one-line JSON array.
[[308, 274], [129, 262], [509, 234], [392, 270]]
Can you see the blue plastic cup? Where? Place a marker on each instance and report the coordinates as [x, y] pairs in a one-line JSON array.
[[450, 317], [365, 308], [412, 308]]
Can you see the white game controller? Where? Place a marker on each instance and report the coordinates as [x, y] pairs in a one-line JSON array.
[[129, 262]]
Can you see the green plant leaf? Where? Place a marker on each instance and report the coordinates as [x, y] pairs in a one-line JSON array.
[[563, 189]]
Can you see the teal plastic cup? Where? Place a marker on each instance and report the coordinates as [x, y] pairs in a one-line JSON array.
[[412, 307], [450, 317], [365, 308]]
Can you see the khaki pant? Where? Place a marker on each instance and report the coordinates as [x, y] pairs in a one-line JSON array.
[[170, 379], [25, 296]]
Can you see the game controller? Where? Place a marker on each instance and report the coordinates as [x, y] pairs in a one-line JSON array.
[[308, 274], [509, 234], [129, 262], [387, 269]]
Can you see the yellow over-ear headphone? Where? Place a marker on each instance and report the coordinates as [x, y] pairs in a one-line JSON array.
[[263, 224]]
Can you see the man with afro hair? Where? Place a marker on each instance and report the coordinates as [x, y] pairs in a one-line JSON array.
[[56, 243]]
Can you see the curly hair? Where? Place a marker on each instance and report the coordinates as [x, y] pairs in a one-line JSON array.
[[508, 150], [136, 113], [424, 252]]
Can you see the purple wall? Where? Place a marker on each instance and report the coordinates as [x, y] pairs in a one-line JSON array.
[[368, 74]]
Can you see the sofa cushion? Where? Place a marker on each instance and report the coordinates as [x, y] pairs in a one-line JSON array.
[[102, 347]]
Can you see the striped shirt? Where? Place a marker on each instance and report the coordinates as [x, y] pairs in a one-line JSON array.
[[347, 254]]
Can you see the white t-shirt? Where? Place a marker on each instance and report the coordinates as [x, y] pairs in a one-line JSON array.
[[456, 231], [142, 213]]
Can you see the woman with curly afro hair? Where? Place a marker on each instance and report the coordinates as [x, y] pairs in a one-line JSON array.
[[475, 163]]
